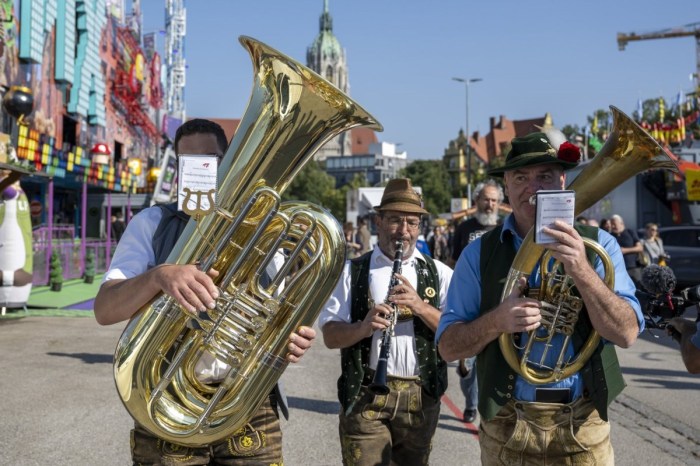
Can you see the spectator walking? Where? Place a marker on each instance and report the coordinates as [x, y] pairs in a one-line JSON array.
[[631, 247], [653, 245]]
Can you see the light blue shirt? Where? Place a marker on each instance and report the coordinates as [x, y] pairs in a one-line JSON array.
[[695, 339], [464, 300]]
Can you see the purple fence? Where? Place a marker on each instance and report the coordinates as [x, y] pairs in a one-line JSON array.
[[63, 240]]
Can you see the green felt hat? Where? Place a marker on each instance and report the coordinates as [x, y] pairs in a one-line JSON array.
[[535, 149]]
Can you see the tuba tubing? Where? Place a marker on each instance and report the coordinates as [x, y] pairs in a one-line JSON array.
[[292, 112], [628, 151]]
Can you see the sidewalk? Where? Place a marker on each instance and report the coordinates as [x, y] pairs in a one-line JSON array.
[[75, 299]]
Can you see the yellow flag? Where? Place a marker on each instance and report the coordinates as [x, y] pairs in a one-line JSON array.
[[662, 109], [692, 184]]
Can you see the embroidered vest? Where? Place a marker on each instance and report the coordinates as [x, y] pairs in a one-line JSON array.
[[355, 359], [601, 375]]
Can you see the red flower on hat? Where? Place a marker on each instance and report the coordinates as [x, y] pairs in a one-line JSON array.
[[569, 153]]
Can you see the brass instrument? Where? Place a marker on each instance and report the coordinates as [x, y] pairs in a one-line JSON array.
[[292, 112], [629, 150], [378, 385]]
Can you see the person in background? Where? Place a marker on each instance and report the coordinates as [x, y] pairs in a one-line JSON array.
[[118, 225], [397, 428], [438, 244], [690, 342], [364, 237], [653, 245], [630, 245], [352, 248], [565, 421], [138, 272], [488, 196], [605, 224], [582, 220], [593, 222]]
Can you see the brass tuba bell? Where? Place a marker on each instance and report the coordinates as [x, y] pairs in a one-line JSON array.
[[629, 150], [292, 112]]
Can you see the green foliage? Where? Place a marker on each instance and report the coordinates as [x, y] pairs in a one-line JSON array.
[[312, 184], [90, 263], [433, 178], [55, 268], [570, 131]]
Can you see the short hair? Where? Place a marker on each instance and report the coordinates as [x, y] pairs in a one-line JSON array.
[[616, 218], [492, 183], [201, 126]]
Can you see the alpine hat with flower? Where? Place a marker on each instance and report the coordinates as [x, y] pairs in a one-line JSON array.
[[535, 149]]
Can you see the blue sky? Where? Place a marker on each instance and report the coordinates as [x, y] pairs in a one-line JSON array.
[[533, 56]]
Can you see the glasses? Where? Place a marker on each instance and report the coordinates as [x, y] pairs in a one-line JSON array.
[[397, 222]]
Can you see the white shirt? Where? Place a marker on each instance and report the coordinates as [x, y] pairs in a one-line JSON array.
[[402, 357], [134, 255]]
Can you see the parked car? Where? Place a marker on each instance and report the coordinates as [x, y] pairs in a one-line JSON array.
[[682, 244]]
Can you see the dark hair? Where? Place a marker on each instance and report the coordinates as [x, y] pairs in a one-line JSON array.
[[199, 126]]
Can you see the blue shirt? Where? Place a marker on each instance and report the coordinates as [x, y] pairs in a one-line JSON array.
[[464, 300]]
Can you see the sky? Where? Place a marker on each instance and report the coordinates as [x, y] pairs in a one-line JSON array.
[[534, 57]]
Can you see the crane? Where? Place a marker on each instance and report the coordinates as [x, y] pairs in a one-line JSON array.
[[692, 29]]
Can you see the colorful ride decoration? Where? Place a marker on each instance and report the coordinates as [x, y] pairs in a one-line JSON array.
[[16, 255]]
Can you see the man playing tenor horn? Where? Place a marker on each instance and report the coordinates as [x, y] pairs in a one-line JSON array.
[[565, 421]]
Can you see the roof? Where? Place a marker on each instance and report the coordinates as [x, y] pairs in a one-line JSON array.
[[229, 125], [361, 138]]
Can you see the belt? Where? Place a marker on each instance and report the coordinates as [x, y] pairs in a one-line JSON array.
[[553, 395], [369, 377]]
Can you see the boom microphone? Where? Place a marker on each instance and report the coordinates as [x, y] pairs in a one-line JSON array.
[[658, 280]]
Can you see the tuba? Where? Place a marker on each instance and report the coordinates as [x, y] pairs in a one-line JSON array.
[[292, 112], [629, 150]]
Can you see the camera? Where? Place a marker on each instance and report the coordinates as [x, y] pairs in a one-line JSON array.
[[659, 310]]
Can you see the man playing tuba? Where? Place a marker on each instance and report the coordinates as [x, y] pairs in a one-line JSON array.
[[565, 420]]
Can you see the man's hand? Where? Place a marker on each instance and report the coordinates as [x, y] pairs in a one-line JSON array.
[[377, 318], [299, 342], [193, 289], [569, 249], [517, 314]]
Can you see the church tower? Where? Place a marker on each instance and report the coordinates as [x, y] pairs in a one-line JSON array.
[[326, 57]]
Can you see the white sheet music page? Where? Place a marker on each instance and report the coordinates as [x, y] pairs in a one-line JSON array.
[[551, 206], [196, 174]]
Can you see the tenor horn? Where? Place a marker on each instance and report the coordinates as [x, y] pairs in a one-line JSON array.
[[629, 150], [292, 112]]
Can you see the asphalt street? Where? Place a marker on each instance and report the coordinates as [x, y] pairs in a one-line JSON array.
[[58, 404]]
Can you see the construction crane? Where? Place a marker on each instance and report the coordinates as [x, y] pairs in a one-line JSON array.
[[692, 29]]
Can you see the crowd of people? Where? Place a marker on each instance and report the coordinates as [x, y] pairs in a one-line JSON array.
[[398, 316]]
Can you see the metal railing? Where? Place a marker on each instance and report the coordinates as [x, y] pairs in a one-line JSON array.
[[63, 240]]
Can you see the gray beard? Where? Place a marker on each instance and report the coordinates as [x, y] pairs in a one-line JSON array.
[[487, 219]]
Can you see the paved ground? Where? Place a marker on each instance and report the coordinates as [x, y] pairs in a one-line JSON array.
[[58, 403]]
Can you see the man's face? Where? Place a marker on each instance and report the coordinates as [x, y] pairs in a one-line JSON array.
[[617, 226], [487, 202], [393, 226], [199, 144], [523, 183]]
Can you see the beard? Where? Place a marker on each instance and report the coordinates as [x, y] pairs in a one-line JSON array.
[[487, 219]]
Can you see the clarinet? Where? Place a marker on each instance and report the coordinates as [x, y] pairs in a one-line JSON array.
[[378, 385]]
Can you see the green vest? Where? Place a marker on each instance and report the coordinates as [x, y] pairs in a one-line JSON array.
[[355, 359], [601, 375]]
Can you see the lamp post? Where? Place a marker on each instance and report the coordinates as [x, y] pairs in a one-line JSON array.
[[467, 82]]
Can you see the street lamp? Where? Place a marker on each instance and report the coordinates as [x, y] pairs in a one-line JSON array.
[[467, 82]]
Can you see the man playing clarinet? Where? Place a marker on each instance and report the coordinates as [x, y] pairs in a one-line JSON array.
[[389, 410]]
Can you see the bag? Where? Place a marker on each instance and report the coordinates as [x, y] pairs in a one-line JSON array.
[[643, 259]]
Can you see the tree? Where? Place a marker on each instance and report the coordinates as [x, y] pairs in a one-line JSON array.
[[55, 271], [89, 275], [432, 177], [314, 185]]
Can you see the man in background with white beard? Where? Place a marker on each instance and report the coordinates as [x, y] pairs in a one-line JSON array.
[[488, 196]]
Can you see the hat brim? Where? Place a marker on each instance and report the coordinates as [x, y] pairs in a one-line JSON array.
[[530, 162], [401, 207]]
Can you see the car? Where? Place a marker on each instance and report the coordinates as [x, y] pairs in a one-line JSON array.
[[682, 244]]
